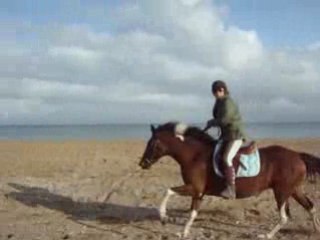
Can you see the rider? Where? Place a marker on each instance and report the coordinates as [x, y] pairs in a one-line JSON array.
[[226, 115]]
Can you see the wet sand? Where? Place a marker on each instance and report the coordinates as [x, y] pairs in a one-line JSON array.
[[55, 190]]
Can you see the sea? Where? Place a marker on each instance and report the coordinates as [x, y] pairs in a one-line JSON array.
[[142, 131]]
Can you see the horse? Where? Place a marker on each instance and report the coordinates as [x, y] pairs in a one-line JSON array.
[[282, 170]]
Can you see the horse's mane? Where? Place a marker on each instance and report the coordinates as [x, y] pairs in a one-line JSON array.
[[190, 131]]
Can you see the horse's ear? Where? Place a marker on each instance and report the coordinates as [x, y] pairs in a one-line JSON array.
[[153, 129]]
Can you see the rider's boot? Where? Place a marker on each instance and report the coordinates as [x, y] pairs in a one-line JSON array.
[[230, 190]]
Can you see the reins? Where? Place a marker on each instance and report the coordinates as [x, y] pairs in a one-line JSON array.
[[118, 184]]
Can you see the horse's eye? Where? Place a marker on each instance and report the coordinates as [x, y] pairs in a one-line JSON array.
[[157, 145]]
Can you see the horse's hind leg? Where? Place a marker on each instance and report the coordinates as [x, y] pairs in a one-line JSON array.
[[282, 200], [288, 212], [304, 201], [283, 221]]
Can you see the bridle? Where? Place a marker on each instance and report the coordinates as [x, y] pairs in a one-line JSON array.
[[149, 160]]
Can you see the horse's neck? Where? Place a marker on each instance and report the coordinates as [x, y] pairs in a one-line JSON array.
[[183, 151], [176, 149]]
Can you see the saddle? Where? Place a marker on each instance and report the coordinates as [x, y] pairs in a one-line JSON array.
[[246, 149]]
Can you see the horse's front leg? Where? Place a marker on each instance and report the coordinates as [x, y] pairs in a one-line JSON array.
[[194, 213], [186, 190], [163, 206]]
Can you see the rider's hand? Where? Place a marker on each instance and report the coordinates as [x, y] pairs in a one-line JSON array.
[[211, 123]]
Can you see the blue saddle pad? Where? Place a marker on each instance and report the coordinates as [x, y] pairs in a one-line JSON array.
[[251, 163]]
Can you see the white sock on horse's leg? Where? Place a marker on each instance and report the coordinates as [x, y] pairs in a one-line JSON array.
[[163, 206], [283, 221], [194, 214], [315, 218]]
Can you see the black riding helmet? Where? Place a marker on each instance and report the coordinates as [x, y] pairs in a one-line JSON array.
[[217, 85]]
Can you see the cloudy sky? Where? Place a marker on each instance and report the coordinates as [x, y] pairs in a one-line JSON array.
[[136, 61]]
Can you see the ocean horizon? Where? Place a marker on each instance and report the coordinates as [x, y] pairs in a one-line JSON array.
[[142, 131]]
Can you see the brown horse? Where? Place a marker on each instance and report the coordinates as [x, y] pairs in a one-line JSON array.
[[282, 170]]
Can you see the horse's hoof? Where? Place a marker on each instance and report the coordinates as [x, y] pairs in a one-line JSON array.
[[262, 236], [316, 223], [182, 236], [164, 220], [179, 235]]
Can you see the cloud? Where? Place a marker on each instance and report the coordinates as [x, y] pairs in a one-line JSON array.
[[155, 64], [74, 53], [314, 46]]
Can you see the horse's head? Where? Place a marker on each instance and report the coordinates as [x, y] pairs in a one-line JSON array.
[[161, 144], [155, 149]]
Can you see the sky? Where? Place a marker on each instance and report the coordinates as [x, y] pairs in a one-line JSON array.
[[144, 61]]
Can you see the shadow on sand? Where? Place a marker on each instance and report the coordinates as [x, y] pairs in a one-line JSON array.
[[109, 213], [95, 211]]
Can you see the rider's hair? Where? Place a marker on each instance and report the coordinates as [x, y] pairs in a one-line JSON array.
[[218, 85]]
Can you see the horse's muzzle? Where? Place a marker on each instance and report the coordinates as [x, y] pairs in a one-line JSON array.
[[144, 165]]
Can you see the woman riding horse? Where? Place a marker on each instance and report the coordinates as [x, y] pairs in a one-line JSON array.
[[226, 115], [282, 170]]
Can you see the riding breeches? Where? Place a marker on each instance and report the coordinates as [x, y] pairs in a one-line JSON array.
[[231, 150]]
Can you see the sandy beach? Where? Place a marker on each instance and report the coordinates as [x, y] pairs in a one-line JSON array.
[[55, 190]]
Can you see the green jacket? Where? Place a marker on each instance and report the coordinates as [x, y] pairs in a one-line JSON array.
[[226, 115]]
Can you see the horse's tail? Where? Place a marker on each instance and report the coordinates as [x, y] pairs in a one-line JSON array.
[[313, 165]]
